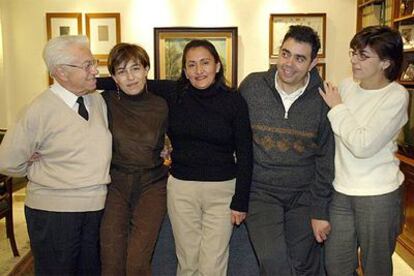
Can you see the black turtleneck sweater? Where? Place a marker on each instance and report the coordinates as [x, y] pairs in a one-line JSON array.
[[210, 135]]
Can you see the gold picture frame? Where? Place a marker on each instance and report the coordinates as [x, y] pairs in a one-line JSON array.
[[58, 24], [321, 67], [279, 25], [104, 32], [169, 42]]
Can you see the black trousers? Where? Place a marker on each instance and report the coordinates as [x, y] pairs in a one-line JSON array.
[[64, 243], [280, 229]]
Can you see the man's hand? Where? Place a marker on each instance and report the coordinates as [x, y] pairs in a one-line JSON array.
[[321, 229], [237, 217]]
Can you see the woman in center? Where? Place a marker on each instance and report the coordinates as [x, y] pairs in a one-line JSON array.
[[208, 189], [136, 201]]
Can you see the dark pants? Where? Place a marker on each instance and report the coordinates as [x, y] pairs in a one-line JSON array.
[[371, 223], [134, 210], [64, 243], [280, 230]]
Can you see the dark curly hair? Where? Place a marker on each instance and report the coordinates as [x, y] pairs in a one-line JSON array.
[[304, 34]]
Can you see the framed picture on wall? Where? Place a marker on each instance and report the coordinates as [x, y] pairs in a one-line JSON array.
[[408, 73], [169, 44], [104, 31], [321, 67], [407, 35], [279, 25], [58, 24]]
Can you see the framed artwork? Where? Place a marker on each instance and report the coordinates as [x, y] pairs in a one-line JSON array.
[[279, 25], [321, 67], [407, 35], [170, 42], [58, 24], [103, 31], [408, 73]]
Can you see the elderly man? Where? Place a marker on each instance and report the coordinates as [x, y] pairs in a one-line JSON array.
[[293, 159], [66, 128]]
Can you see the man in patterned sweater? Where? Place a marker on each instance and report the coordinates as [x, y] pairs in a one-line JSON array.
[[66, 129], [293, 150]]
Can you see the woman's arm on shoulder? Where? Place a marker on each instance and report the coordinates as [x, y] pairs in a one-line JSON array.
[[162, 88], [105, 83]]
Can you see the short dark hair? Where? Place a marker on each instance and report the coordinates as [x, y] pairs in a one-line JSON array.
[[195, 43], [304, 34], [386, 43], [124, 52]]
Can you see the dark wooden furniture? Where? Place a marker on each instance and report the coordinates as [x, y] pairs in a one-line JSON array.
[[6, 209], [398, 14], [403, 20], [371, 12], [405, 244]]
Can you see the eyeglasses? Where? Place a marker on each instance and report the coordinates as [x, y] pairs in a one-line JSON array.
[[360, 56], [86, 66]]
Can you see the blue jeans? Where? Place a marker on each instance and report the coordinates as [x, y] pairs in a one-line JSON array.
[[370, 223]]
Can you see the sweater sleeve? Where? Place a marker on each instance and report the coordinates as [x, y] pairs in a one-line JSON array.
[[18, 146], [105, 83], [160, 87], [321, 190], [244, 156], [364, 141]]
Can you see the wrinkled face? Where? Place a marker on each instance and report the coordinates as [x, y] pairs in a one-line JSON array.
[[293, 64], [79, 76], [366, 65], [200, 67], [131, 77]]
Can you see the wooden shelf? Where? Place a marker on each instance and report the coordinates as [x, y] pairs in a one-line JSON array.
[[405, 242], [403, 18], [405, 159], [406, 83], [371, 2]]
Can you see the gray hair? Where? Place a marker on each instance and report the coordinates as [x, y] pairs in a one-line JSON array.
[[56, 50]]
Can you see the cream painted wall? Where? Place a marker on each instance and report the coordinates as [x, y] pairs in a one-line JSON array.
[[24, 34], [3, 94]]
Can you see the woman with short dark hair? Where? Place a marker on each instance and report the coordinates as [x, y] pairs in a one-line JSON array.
[[366, 114], [136, 201]]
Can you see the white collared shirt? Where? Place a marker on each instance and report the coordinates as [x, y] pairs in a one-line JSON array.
[[289, 98], [68, 97]]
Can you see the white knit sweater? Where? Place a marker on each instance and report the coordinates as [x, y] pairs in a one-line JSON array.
[[366, 127], [73, 170]]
